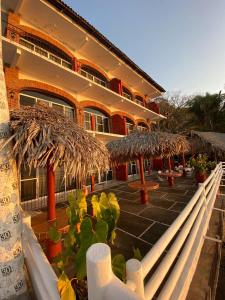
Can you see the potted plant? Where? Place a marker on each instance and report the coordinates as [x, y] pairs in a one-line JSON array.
[[87, 224], [200, 165]]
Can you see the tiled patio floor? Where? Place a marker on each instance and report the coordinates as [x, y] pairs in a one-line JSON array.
[[139, 226]]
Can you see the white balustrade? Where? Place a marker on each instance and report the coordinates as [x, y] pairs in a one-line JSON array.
[[43, 278], [193, 222]]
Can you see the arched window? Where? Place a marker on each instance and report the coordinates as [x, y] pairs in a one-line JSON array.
[[142, 127], [93, 75], [100, 120], [30, 98], [126, 93], [129, 125], [46, 49], [139, 100]]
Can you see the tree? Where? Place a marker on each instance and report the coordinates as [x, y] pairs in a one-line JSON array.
[[12, 280], [208, 113], [174, 107]]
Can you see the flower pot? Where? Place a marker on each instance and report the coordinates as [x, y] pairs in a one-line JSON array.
[[200, 177]]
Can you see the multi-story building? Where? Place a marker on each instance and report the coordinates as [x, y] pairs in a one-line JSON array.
[[52, 55]]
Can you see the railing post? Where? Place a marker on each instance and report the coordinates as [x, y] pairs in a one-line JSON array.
[[99, 270], [135, 276]]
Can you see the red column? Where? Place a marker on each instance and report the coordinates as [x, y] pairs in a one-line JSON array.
[[169, 164], [53, 248], [141, 168], [51, 193], [144, 193], [92, 183], [184, 163]]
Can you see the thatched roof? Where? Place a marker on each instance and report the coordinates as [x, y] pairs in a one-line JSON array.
[[41, 135], [147, 144], [209, 142]]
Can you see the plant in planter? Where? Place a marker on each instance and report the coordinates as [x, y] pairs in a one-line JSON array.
[[201, 166], [83, 231]]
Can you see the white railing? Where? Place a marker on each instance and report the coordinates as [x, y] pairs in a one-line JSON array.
[[126, 95], [45, 53], [190, 227], [93, 78], [43, 279]]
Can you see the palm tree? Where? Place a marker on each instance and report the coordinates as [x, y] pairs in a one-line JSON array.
[[11, 255]]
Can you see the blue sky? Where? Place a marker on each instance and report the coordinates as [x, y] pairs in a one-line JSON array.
[[180, 43]]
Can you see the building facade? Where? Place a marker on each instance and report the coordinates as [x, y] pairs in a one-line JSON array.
[[53, 56]]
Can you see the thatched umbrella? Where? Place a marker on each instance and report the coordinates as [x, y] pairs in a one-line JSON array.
[[43, 137], [140, 145], [213, 143]]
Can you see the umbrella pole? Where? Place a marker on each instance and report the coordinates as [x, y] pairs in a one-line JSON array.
[[184, 163], [92, 183], [169, 164], [53, 248], [144, 194]]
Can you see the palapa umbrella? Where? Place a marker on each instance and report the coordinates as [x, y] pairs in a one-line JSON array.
[[140, 145], [43, 137]]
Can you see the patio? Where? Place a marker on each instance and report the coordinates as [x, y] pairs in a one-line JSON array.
[[139, 226]]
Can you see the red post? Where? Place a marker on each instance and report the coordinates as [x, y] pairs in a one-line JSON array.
[[169, 163], [144, 193], [92, 183], [51, 193], [184, 163], [53, 248], [141, 168]]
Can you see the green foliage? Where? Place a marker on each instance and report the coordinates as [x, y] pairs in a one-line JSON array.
[[107, 208], [119, 266], [201, 163], [54, 234], [84, 231], [137, 254], [88, 237]]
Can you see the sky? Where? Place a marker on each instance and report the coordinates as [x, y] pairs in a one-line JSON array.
[[179, 43]]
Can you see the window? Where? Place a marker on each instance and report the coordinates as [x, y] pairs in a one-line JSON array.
[[132, 168], [142, 127], [129, 126], [33, 185], [126, 93], [30, 98], [100, 119], [139, 100]]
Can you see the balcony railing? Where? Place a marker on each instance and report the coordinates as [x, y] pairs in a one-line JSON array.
[[126, 95], [93, 78], [45, 53], [172, 277]]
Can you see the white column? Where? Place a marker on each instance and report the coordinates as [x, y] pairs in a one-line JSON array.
[[12, 281], [99, 270]]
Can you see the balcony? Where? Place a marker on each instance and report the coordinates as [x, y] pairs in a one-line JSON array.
[[50, 68], [93, 78], [45, 53], [128, 96]]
